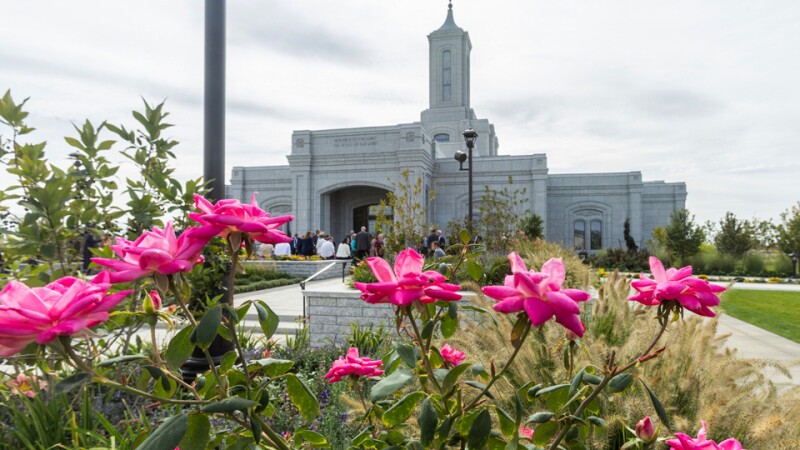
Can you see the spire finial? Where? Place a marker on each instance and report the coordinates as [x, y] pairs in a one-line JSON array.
[[450, 5]]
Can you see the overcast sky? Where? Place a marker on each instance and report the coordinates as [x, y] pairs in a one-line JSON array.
[[706, 92]]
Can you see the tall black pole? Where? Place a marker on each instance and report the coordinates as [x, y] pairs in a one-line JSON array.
[[469, 178], [214, 99]]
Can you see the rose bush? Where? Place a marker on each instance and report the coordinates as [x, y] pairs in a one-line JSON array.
[[426, 395]]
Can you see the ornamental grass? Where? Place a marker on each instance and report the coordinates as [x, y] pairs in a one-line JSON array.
[[697, 376]]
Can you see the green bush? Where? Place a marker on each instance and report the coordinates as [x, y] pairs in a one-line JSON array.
[[720, 264], [753, 264], [621, 259], [784, 266]]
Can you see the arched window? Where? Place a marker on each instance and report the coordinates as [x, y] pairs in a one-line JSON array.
[[442, 137], [596, 235], [579, 235], [447, 76]]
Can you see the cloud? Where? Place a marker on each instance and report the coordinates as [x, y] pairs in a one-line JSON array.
[[291, 32]]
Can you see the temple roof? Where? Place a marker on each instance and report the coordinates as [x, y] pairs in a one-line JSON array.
[[449, 23]]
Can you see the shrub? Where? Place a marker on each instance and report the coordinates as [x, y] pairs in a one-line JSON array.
[[753, 264], [720, 264], [784, 266]]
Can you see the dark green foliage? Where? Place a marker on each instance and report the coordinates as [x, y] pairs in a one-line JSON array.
[[532, 225], [630, 244], [683, 236], [617, 258], [735, 237]]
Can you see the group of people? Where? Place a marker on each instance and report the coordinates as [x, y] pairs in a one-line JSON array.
[[354, 245]]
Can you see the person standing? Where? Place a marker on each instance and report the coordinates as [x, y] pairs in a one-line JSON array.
[[307, 245], [295, 244], [343, 250], [378, 245], [442, 241], [432, 237], [362, 243], [326, 248]]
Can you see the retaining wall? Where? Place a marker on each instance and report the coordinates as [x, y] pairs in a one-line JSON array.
[[305, 269], [330, 314]]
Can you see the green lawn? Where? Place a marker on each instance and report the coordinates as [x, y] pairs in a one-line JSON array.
[[775, 311]]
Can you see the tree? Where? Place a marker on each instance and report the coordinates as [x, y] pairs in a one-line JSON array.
[[630, 244], [765, 233], [532, 225], [500, 215], [408, 224], [735, 237], [683, 236], [789, 230]]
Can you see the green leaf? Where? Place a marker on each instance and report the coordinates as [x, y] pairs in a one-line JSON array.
[[311, 437], [620, 382], [464, 237], [407, 353], [120, 359], [302, 398], [179, 348], [474, 270], [576, 382], [479, 430], [402, 410], [480, 387], [275, 367], [229, 404], [452, 376], [507, 423], [72, 381], [540, 417], [428, 421], [168, 435], [427, 329], [198, 432], [520, 326], [390, 384], [592, 379], [158, 375], [597, 421], [268, 320], [449, 326], [206, 330], [544, 432], [660, 410]]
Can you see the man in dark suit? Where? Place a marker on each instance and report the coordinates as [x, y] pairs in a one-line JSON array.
[[362, 243]]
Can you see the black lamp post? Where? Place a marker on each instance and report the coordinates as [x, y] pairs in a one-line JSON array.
[[469, 138], [795, 259]]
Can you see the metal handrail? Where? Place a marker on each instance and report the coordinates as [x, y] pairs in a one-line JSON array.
[[303, 284]]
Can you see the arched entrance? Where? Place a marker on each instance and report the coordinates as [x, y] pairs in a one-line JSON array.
[[350, 208]]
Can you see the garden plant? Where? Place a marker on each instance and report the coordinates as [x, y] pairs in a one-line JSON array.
[[425, 391]]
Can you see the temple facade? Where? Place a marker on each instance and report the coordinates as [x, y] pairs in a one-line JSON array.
[[336, 178]]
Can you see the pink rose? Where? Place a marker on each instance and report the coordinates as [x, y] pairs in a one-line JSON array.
[[539, 294], [351, 364], [64, 307], [526, 432], [228, 215], [685, 442], [155, 251], [645, 430], [693, 293], [451, 356], [407, 283]]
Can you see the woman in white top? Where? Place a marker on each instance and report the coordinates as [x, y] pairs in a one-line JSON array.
[[343, 250]]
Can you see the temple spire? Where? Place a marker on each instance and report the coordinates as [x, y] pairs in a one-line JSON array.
[[449, 23]]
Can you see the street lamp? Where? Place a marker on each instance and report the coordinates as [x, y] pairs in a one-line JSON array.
[[469, 138], [795, 259]]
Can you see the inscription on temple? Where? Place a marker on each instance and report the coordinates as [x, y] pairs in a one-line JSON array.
[[355, 141]]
